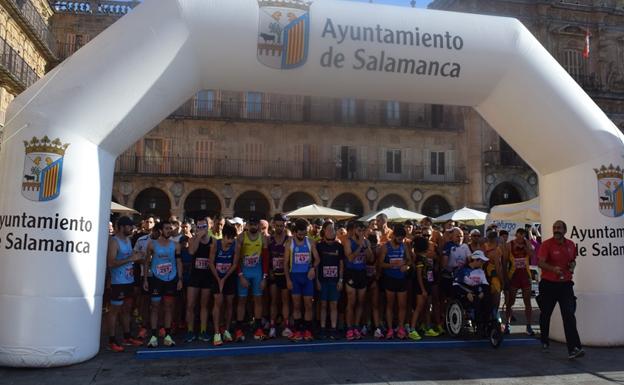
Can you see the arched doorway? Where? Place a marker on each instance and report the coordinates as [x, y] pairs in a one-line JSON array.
[[350, 203], [435, 206], [297, 200], [252, 202], [153, 201], [201, 203], [392, 200], [505, 193]]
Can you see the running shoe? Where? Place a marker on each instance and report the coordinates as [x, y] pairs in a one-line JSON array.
[[429, 332], [168, 341], [190, 337], [529, 331], [378, 334], [153, 342], [259, 335], [162, 332], [272, 332], [239, 336], [390, 334], [333, 334], [350, 335], [364, 331], [132, 342], [227, 337], [307, 336], [401, 334], [142, 333], [507, 329], [576, 353], [296, 337], [204, 337], [216, 341], [356, 334], [440, 330], [115, 347], [414, 336], [287, 332]]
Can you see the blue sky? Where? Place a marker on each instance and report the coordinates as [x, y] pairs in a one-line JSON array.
[[419, 3]]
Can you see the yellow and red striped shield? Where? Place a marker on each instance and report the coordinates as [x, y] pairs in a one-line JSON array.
[[51, 181], [296, 37]]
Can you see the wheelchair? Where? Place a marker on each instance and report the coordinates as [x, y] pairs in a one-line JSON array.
[[461, 321]]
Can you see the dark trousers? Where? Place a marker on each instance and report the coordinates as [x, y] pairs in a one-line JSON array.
[[551, 293]]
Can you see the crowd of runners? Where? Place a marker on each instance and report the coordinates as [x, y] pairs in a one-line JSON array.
[[218, 281]]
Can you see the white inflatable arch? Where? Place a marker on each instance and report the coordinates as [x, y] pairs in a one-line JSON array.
[[64, 133]]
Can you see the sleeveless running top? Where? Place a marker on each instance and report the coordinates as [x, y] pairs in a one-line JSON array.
[[124, 274], [224, 258], [251, 252], [359, 262], [164, 261], [202, 255], [520, 258], [276, 255], [301, 256], [394, 256]]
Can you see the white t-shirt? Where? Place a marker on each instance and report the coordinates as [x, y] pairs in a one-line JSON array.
[[457, 256]]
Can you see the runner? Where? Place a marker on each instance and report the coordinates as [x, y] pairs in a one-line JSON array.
[[435, 316], [223, 264], [252, 251], [301, 259], [330, 278], [358, 252], [217, 227], [277, 279], [519, 276], [423, 283], [143, 297], [120, 260], [394, 260], [163, 260], [373, 286], [494, 268], [200, 283], [315, 230], [382, 226]]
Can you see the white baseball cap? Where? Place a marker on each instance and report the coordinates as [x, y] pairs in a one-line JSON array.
[[236, 221], [479, 255]]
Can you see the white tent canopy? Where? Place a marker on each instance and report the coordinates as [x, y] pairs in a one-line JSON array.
[[394, 214], [464, 215], [315, 211], [117, 208], [528, 211]]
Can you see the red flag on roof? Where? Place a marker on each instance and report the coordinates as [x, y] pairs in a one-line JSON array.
[[586, 50]]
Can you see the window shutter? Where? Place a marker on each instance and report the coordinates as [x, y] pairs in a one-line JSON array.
[[450, 165], [406, 164], [427, 163], [382, 161]]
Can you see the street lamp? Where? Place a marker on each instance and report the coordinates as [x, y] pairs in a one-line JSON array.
[[203, 204], [252, 206], [152, 204]]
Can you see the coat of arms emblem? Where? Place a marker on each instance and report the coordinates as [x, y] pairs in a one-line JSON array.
[[610, 190], [283, 33], [43, 169]]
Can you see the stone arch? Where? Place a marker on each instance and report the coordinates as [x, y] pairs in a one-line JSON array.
[[435, 205], [252, 201], [348, 202], [296, 200], [201, 203], [153, 200], [392, 200]]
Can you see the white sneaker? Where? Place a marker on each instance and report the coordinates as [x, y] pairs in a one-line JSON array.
[[378, 333], [272, 332], [153, 342], [168, 341], [287, 332]]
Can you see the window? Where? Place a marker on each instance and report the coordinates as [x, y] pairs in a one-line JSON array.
[[393, 111], [574, 63], [348, 110], [204, 102], [437, 165], [153, 148], [393, 161], [437, 115], [254, 102]]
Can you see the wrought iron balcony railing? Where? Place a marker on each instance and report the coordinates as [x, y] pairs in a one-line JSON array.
[[503, 159], [14, 70], [35, 25]]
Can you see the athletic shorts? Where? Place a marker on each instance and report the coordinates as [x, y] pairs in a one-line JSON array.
[[446, 286], [159, 288], [520, 280], [138, 280], [395, 285], [229, 287], [254, 277], [119, 293], [280, 281], [201, 278], [356, 278], [417, 290], [329, 291], [302, 285]]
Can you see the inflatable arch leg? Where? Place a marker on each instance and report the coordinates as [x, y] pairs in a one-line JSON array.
[[55, 193]]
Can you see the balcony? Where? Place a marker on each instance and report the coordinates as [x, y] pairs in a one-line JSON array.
[[277, 169], [328, 113], [34, 25], [92, 7], [14, 71], [507, 159], [589, 82]]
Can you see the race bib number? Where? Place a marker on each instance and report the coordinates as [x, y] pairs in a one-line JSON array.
[[396, 262], [302, 258], [278, 264], [251, 260], [330, 271], [164, 268], [223, 268], [370, 271], [360, 258], [430, 276], [129, 272], [520, 263], [201, 263]]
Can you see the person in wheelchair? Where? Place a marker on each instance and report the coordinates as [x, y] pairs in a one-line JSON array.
[[472, 288]]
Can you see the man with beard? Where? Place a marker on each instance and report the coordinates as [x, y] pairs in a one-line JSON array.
[[277, 280], [252, 251], [301, 259], [163, 260], [120, 260]]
